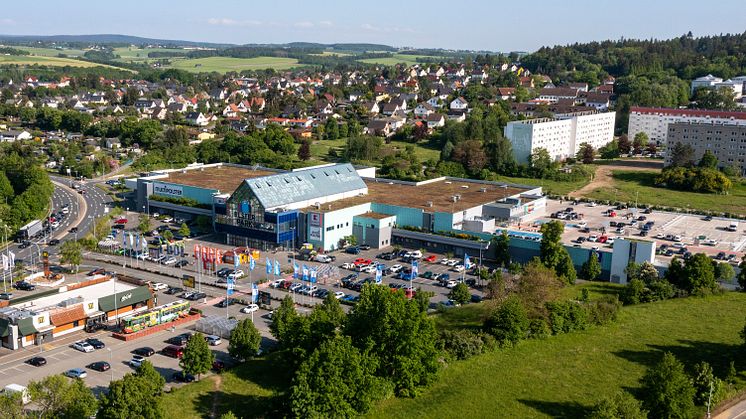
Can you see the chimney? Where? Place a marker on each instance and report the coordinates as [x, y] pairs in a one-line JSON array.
[[429, 203], [454, 198]]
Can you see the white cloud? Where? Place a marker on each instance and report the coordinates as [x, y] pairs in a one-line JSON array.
[[326, 23], [303, 24], [224, 21], [7, 21], [386, 29]]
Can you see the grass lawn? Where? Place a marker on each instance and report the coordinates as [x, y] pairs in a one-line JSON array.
[[320, 149], [53, 52], [225, 64], [640, 185], [563, 376], [550, 186], [47, 61], [396, 59]]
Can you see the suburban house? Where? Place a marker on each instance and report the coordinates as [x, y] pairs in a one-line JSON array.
[[113, 143], [423, 110], [506, 93], [435, 120], [459, 104], [380, 127], [197, 118], [555, 94], [13, 135]]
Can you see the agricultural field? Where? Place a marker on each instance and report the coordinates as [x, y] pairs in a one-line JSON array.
[[397, 59], [640, 185], [52, 52], [333, 53], [46, 61], [128, 54], [226, 64]]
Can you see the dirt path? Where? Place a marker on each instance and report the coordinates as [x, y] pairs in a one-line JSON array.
[[218, 381], [604, 178]]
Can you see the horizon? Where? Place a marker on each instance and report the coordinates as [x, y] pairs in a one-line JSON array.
[[433, 27]]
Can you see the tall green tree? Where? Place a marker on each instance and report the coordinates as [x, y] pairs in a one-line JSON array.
[[336, 381], [639, 142], [58, 397], [184, 230], [619, 406], [699, 275], [144, 223], [502, 249], [131, 397], [197, 358], [508, 323], [586, 153], [667, 390], [591, 269], [460, 293], [245, 340], [11, 406], [304, 151], [393, 329], [553, 252], [71, 252], [708, 160]]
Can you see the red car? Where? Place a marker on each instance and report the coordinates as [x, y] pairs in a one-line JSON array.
[[431, 259], [603, 239], [121, 221], [362, 261]]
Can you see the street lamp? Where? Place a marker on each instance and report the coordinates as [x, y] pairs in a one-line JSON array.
[[111, 364]]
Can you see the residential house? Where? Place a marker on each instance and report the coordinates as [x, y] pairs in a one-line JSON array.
[[197, 118], [379, 127], [583, 87], [113, 143], [459, 104], [390, 108], [506, 93], [371, 108], [600, 101], [435, 120], [423, 110], [14, 135], [434, 102], [457, 116], [231, 111], [554, 95]]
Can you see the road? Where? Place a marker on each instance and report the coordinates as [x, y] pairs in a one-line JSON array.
[[737, 411]]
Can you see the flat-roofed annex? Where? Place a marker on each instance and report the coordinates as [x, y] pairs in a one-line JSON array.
[[222, 178]]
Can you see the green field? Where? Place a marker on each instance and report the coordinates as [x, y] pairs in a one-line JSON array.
[[397, 59], [640, 185], [563, 376], [53, 52], [320, 149], [140, 55], [46, 61], [550, 186], [226, 64]]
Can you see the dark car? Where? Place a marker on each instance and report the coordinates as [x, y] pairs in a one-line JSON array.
[[37, 361], [144, 351], [476, 298], [24, 244], [94, 327], [54, 242], [197, 296], [708, 218], [100, 366], [226, 302], [218, 366], [73, 230], [223, 272], [97, 344], [24, 286], [364, 247], [180, 340], [352, 250], [720, 256], [182, 377], [173, 290], [97, 271], [181, 263]]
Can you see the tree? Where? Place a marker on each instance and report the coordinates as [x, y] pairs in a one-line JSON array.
[[229, 415], [143, 223], [11, 406], [150, 376], [71, 252], [336, 381], [667, 390], [682, 155], [508, 323], [624, 145], [699, 275], [168, 235], [724, 272], [460, 293], [541, 163], [708, 160], [591, 269], [197, 358], [537, 286], [639, 142], [304, 151], [619, 406], [721, 99], [131, 397], [553, 252], [471, 154], [398, 334], [58, 397], [245, 340], [707, 387], [586, 153], [742, 334], [184, 230], [741, 278], [502, 249]]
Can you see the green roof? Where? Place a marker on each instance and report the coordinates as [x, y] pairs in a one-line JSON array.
[[124, 298], [4, 323], [26, 326]]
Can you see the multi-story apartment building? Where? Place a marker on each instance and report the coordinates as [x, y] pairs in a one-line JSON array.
[[654, 121], [560, 137], [726, 141]]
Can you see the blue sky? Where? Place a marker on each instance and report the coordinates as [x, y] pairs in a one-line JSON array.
[[496, 25]]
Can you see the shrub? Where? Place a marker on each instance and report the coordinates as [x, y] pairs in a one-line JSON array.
[[603, 311], [508, 323], [461, 344], [538, 329], [567, 316]]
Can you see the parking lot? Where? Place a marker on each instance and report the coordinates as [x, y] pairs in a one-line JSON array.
[[698, 234]]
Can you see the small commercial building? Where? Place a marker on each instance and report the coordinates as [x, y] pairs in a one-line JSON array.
[[42, 317]]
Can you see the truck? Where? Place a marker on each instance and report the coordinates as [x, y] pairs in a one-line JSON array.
[[30, 230]]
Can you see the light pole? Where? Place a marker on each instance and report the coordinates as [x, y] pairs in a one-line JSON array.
[[110, 364]]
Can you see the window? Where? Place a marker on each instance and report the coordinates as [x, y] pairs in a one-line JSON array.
[[330, 228]]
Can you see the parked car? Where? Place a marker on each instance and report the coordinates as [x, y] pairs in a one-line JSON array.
[[225, 302], [24, 286], [250, 308], [173, 290], [238, 273], [181, 263], [54, 242], [197, 296], [430, 258], [97, 344], [145, 351], [173, 351], [213, 340], [451, 284], [83, 346], [76, 373], [353, 250], [339, 295], [136, 361], [99, 366], [37, 361], [159, 286], [182, 377], [277, 283]]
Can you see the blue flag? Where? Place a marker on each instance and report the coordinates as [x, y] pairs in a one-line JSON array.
[[467, 262], [236, 260], [254, 293], [379, 274], [277, 267], [229, 290], [313, 276], [269, 266], [305, 273], [295, 270], [415, 269]]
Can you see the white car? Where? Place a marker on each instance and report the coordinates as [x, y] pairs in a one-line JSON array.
[[213, 340], [592, 204], [610, 241], [593, 238], [445, 261], [395, 268], [76, 373], [136, 361], [159, 286], [55, 225], [238, 273], [339, 295], [710, 242], [582, 224], [170, 261], [310, 289], [83, 346], [348, 265], [677, 238], [167, 220], [451, 284], [452, 262], [369, 269], [250, 308], [277, 283], [458, 268]]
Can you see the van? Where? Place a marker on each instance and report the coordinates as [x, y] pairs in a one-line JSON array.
[[173, 351], [323, 258], [17, 388], [733, 226]]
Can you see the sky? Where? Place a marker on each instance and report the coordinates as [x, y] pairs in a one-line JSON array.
[[496, 25]]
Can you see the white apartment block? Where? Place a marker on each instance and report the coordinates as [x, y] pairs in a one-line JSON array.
[[560, 137], [654, 121]]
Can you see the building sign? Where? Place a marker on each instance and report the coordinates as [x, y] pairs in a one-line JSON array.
[[314, 219], [315, 222], [219, 201], [90, 306], [187, 281], [314, 234], [170, 190], [125, 297]]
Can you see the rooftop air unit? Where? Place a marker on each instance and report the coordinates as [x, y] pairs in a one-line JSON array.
[[483, 190], [465, 186], [454, 198], [317, 205], [429, 203]]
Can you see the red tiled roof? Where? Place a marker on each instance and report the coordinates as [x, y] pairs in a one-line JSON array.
[[689, 112]]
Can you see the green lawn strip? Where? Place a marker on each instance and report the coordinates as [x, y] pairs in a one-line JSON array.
[[563, 376], [640, 185], [556, 187], [226, 64]]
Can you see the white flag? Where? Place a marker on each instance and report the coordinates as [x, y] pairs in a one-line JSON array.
[[5, 262], [132, 240], [12, 259]]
